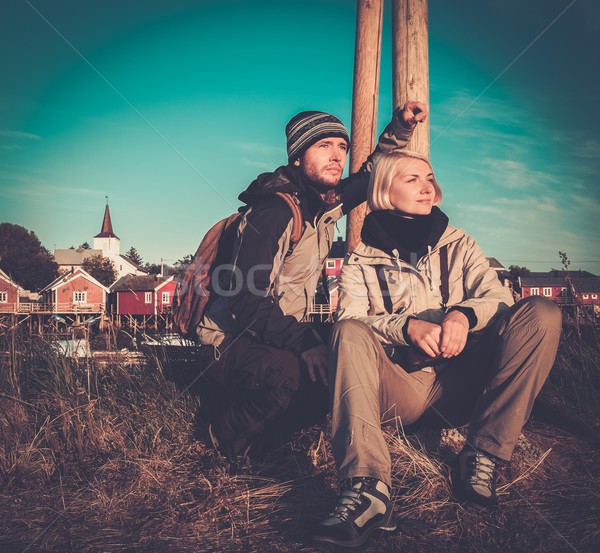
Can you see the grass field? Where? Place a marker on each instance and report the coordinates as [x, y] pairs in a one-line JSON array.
[[108, 459]]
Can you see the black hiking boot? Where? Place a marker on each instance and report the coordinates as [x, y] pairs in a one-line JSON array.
[[474, 479], [363, 506]]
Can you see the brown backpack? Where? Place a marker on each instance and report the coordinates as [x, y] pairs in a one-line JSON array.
[[216, 249]]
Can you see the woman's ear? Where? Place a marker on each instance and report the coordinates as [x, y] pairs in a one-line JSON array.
[[297, 162]]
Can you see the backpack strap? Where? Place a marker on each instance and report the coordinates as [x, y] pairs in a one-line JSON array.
[[444, 276], [298, 224], [385, 290]]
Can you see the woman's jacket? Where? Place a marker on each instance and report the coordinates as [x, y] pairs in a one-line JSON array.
[[415, 290]]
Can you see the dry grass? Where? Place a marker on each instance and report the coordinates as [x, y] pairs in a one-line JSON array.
[[108, 460]]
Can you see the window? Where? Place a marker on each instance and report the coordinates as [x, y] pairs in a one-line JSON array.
[[79, 297], [585, 296], [594, 296], [548, 292], [3, 297], [330, 264], [534, 292], [165, 297], [563, 291], [148, 297]]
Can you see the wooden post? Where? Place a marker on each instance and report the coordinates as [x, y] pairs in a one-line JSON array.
[[369, 17], [410, 62]]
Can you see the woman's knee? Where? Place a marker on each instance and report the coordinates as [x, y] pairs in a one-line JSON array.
[[351, 330], [541, 310]]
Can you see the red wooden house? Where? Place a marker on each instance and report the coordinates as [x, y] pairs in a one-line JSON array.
[[75, 292], [142, 295], [335, 259], [575, 287], [9, 294]]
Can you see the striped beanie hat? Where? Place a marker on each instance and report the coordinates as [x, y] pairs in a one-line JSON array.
[[308, 127]]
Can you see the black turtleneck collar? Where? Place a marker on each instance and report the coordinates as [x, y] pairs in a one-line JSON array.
[[388, 231]]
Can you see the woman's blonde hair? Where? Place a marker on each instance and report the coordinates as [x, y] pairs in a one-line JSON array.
[[382, 177]]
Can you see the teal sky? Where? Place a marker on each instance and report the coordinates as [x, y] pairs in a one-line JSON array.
[[172, 108]]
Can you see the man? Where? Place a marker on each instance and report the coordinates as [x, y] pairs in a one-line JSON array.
[[427, 332], [269, 362]]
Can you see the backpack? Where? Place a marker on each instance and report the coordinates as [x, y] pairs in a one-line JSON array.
[[194, 289]]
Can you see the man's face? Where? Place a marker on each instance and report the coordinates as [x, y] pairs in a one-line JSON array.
[[323, 163]]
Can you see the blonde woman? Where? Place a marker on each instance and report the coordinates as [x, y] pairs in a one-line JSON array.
[[426, 332]]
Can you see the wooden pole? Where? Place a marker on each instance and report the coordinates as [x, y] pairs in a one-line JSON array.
[[369, 17], [410, 62]]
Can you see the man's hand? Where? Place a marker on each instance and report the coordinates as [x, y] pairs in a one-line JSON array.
[[316, 360], [425, 335], [413, 113], [455, 329]]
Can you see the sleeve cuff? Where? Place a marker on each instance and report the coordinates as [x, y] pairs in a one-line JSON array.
[[407, 340], [467, 312]]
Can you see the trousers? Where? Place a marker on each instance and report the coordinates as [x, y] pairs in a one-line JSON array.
[[491, 385], [259, 394]]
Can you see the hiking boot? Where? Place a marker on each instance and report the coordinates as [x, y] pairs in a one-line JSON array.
[[363, 506], [474, 479]]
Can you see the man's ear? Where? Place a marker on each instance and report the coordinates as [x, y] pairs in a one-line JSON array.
[[297, 162]]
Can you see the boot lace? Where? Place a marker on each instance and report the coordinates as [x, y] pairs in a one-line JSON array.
[[481, 470], [350, 498]]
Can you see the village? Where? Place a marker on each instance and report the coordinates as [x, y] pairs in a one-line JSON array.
[[143, 302]]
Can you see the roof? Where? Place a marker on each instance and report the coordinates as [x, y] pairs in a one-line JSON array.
[[140, 283], [72, 275], [10, 281], [495, 264], [582, 280], [74, 257], [133, 264], [106, 231], [560, 273]]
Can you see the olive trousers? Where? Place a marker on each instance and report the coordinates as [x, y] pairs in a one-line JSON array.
[[491, 385]]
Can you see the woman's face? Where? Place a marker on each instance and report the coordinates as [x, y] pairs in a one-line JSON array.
[[412, 191]]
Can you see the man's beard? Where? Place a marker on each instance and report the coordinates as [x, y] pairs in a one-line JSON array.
[[328, 191], [318, 183]]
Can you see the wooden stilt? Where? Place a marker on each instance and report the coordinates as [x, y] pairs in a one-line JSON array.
[[369, 17], [410, 62]]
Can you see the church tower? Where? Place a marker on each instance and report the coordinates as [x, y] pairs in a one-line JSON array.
[[107, 240]]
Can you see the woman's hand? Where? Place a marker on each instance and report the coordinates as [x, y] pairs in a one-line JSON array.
[[425, 335], [455, 329]]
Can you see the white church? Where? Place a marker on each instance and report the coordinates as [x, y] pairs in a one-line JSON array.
[[107, 244]]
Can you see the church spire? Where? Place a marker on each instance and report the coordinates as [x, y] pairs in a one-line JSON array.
[[107, 230]]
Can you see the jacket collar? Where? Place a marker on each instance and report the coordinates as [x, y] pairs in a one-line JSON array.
[[408, 237], [365, 254], [286, 178]]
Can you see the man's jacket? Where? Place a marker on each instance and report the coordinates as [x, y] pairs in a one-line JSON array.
[[415, 290], [268, 289]]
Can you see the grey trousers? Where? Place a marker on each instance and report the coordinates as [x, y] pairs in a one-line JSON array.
[[491, 385]]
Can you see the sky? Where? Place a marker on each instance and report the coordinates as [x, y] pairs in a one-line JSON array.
[[172, 108]]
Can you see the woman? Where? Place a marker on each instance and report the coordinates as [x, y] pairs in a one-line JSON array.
[[425, 331]]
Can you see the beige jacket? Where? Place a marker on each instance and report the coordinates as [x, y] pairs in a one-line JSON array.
[[415, 290]]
